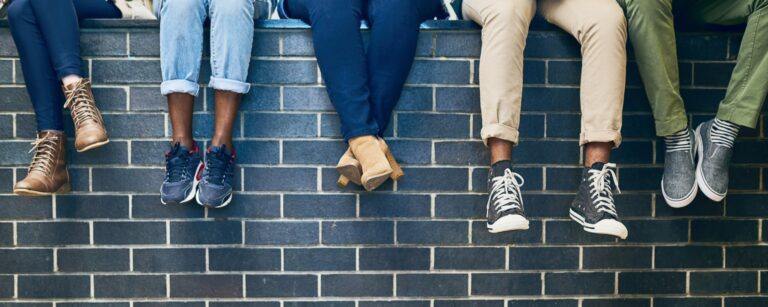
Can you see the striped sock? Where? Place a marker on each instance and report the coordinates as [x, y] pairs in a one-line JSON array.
[[679, 141], [724, 133]]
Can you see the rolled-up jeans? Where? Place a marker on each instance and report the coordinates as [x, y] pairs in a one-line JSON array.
[[181, 42]]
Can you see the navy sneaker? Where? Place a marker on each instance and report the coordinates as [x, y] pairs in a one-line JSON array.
[[593, 206], [216, 187], [183, 171]]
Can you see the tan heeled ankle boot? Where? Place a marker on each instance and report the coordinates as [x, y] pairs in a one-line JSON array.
[[372, 159], [89, 125], [47, 173], [350, 169]]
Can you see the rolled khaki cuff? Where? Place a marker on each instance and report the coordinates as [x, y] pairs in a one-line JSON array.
[[499, 131], [601, 136]]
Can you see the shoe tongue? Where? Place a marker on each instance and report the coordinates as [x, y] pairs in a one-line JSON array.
[[498, 168], [598, 166], [219, 151]]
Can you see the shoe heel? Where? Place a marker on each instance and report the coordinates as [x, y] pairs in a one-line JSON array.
[[66, 188], [343, 181], [397, 171]]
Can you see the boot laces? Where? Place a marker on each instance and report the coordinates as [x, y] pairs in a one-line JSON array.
[[600, 187], [507, 191], [45, 154], [81, 104]]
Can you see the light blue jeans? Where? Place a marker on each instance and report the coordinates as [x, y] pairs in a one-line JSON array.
[[181, 42]]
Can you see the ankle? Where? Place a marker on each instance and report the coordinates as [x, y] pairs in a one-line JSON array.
[[71, 79], [185, 141]]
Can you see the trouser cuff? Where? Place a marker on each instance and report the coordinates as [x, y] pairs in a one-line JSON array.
[[499, 131], [179, 86], [601, 136], [671, 126], [741, 117], [229, 85], [353, 134]]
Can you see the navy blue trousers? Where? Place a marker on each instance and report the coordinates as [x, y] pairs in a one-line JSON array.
[[364, 87], [47, 35]]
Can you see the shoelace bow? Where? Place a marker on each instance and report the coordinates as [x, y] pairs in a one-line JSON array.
[[81, 105], [44, 149], [600, 187], [507, 187]]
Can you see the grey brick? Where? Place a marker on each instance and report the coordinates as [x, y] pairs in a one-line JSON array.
[[319, 259], [26, 260], [282, 72], [129, 286], [250, 206], [93, 260], [243, 259], [319, 206], [149, 206], [280, 179], [291, 125], [54, 286], [113, 180], [506, 284], [439, 72], [724, 282], [432, 232], [103, 43], [216, 232], [207, 286], [358, 232], [422, 285], [169, 260], [576, 283], [126, 71], [281, 285], [92, 206], [117, 233], [356, 285], [52, 233], [395, 205], [306, 98], [394, 259], [145, 43], [470, 258], [281, 233], [651, 282], [11, 208], [323, 152]]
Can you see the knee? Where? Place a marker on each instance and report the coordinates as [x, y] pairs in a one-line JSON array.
[[650, 9], [229, 8], [181, 7], [506, 13], [18, 9], [608, 21]]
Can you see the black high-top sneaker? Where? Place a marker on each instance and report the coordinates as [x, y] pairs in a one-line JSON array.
[[505, 203], [593, 206]]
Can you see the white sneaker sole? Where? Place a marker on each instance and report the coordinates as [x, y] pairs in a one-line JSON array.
[[192, 191], [680, 203], [604, 227], [702, 183], [224, 204], [508, 223]]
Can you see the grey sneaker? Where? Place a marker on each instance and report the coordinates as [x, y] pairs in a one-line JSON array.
[[678, 185], [714, 162], [594, 208], [504, 208]]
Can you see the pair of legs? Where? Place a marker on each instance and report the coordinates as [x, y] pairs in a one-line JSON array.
[[600, 27], [364, 84], [47, 36], [181, 48], [188, 175], [652, 32]]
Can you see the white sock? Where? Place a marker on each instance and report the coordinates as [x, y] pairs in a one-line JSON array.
[[724, 133], [679, 141]]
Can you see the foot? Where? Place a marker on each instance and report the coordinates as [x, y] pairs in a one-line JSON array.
[[678, 185], [373, 161], [183, 171], [594, 206], [714, 140], [47, 174], [89, 125], [216, 186], [505, 203], [349, 168]]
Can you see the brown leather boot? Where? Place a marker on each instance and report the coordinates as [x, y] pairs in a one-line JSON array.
[[89, 126], [372, 159], [350, 169], [47, 173]]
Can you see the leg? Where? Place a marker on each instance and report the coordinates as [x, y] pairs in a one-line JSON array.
[[394, 33], [747, 89], [600, 27], [341, 57], [39, 74], [181, 48], [231, 43], [505, 29], [652, 32]]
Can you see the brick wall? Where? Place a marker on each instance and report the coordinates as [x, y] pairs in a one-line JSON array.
[[292, 238]]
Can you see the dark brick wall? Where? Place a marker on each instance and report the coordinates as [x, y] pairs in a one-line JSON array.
[[292, 238]]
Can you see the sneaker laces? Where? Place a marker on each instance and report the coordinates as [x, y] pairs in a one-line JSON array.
[[45, 149], [507, 188], [81, 104], [600, 187], [176, 165], [217, 166], [680, 141]]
